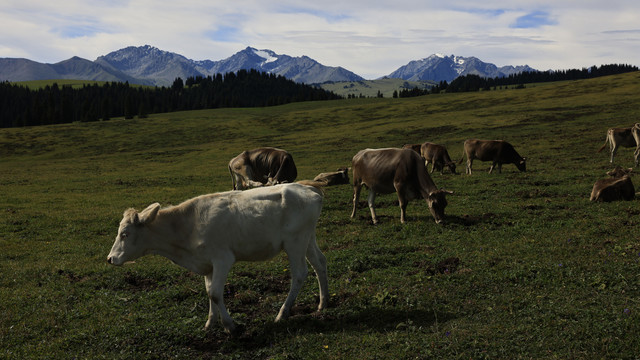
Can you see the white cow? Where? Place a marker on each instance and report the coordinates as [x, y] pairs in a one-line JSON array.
[[209, 233], [635, 131], [617, 137]]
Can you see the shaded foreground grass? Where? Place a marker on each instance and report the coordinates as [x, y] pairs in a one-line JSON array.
[[525, 267]]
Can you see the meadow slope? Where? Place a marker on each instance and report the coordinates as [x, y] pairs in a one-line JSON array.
[[525, 267]]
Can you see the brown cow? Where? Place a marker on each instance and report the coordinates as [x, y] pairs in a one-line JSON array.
[[389, 170], [617, 137], [498, 151], [334, 178], [438, 156], [414, 147], [618, 187], [260, 167]]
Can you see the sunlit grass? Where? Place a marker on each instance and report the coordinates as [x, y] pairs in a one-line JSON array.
[[541, 272]]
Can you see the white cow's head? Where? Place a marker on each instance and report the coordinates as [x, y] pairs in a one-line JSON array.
[[129, 244]]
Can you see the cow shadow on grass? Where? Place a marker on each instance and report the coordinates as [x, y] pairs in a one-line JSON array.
[[476, 219], [305, 320], [450, 220]]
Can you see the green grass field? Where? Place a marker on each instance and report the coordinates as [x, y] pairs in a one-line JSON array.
[[370, 88], [526, 267]]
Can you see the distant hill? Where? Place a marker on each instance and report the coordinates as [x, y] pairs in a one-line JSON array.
[[446, 68], [370, 88], [74, 68]]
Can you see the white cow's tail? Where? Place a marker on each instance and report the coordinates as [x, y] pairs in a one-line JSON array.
[[464, 152], [606, 141]]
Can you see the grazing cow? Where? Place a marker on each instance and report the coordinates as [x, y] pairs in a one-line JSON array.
[[438, 156], [384, 171], [498, 151], [414, 147], [617, 137], [618, 187], [209, 233], [334, 178], [635, 132], [260, 167]]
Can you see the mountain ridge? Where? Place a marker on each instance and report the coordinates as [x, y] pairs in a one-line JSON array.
[[439, 67], [148, 65]]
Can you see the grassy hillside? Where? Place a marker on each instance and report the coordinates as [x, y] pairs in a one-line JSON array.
[[525, 267], [370, 88]]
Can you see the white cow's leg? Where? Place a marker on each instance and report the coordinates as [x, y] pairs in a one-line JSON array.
[[614, 149], [636, 155], [299, 272], [469, 164], [370, 200], [319, 263], [356, 198], [493, 165], [213, 309], [215, 289]]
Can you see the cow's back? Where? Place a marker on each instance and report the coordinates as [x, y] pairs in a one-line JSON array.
[[269, 162], [253, 223], [613, 189], [484, 150], [376, 168], [622, 137]]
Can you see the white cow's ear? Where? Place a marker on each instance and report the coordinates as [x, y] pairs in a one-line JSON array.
[[149, 214]]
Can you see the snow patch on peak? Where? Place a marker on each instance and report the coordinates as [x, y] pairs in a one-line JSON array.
[[266, 55], [459, 60]]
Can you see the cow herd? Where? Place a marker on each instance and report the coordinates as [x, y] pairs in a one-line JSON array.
[[209, 233], [619, 186]]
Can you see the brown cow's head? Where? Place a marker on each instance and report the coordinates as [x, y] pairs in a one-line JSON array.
[[129, 245], [241, 171], [522, 164], [437, 201], [452, 166], [619, 172]]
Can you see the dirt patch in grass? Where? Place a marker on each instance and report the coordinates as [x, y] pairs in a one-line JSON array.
[[447, 266]]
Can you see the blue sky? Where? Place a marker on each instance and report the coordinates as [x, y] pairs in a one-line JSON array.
[[369, 37], [534, 20]]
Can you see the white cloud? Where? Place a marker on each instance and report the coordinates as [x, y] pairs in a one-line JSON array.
[[371, 38]]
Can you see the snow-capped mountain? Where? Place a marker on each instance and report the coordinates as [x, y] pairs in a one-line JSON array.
[[439, 67], [149, 65], [162, 67], [300, 69]]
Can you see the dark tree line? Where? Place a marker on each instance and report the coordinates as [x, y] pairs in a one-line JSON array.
[[468, 83], [21, 106], [475, 82]]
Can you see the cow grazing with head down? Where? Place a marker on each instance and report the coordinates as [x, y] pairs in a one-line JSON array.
[[334, 178], [209, 233], [617, 137], [497, 151], [389, 170], [618, 187], [438, 156], [262, 166]]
